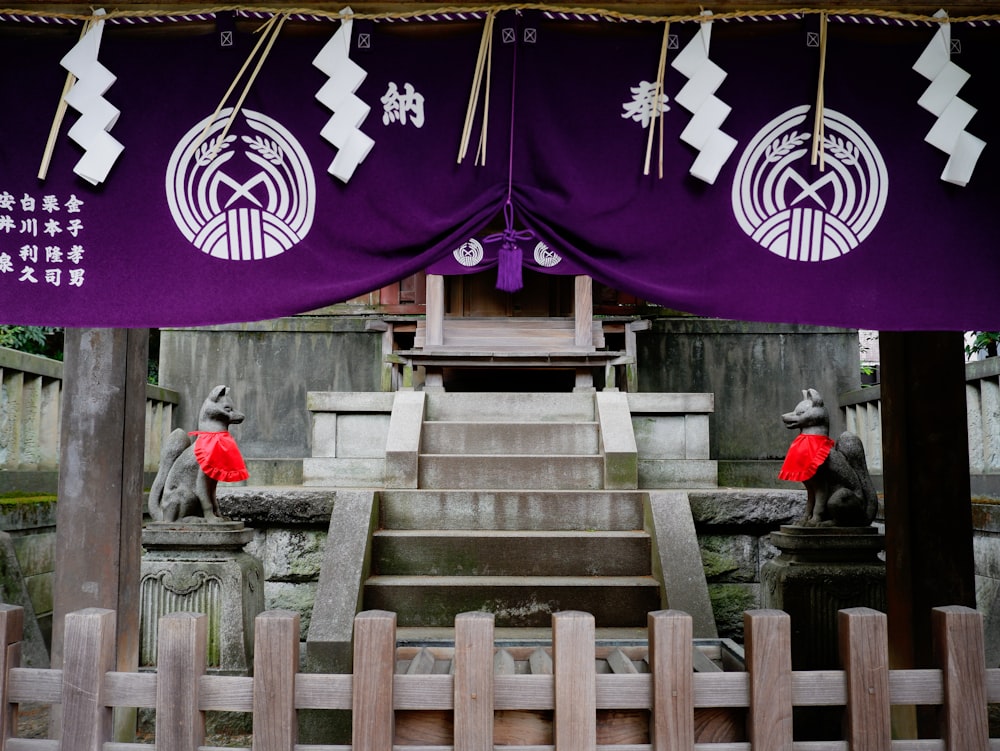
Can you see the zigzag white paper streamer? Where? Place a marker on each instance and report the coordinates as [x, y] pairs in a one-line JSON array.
[[941, 98], [708, 112], [337, 94], [97, 114]]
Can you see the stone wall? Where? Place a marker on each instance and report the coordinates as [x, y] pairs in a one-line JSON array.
[[757, 372], [271, 365]]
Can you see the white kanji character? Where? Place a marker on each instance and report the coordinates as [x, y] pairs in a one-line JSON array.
[[29, 253], [74, 227], [28, 202], [76, 277], [52, 227], [53, 276], [645, 103], [53, 254], [29, 227], [28, 275], [73, 204], [75, 253], [6, 263], [7, 201], [6, 223], [395, 106], [50, 204]]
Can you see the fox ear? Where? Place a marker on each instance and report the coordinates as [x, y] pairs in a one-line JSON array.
[[217, 392], [815, 397], [805, 393]]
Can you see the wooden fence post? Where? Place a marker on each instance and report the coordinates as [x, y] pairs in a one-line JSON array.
[[373, 725], [864, 654], [11, 631], [767, 636], [474, 682], [275, 663], [671, 662], [575, 720], [180, 661], [959, 651], [88, 653]]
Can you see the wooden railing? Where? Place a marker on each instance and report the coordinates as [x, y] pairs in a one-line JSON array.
[[180, 691], [30, 403]]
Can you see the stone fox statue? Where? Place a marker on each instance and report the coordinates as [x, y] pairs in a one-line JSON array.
[[190, 469], [838, 487]]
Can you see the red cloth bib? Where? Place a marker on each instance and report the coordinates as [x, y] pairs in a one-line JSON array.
[[804, 456], [218, 456]]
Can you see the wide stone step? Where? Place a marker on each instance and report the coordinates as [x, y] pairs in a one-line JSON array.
[[572, 472], [531, 438], [517, 601], [511, 407], [508, 553], [511, 509]]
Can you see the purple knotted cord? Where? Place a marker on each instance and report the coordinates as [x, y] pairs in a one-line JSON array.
[[510, 257]]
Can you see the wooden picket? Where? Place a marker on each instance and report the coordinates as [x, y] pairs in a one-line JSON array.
[[478, 687]]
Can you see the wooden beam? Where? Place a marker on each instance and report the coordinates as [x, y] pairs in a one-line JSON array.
[[928, 510], [99, 514]]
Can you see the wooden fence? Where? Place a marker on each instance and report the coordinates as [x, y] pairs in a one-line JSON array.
[[87, 687]]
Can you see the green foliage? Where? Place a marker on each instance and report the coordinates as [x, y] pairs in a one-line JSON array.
[[35, 340], [985, 341]]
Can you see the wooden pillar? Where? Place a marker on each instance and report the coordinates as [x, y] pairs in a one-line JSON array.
[[435, 310], [99, 512], [583, 311], [928, 511]]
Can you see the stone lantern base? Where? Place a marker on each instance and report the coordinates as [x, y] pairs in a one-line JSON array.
[[822, 570], [201, 568]]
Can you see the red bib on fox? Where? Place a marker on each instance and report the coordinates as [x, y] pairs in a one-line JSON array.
[[218, 456], [805, 456]]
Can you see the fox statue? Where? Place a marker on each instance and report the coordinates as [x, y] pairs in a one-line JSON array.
[[839, 489], [190, 470]]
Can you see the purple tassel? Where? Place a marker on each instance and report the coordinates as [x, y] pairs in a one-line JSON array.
[[509, 268]]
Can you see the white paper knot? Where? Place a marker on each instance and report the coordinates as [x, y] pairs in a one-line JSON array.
[[708, 112], [337, 94], [97, 114], [941, 98]]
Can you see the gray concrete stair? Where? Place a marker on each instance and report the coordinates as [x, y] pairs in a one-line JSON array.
[[511, 509], [510, 553], [516, 601], [470, 471], [512, 438]]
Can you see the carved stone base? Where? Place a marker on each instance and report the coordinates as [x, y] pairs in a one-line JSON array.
[[201, 568], [822, 570]]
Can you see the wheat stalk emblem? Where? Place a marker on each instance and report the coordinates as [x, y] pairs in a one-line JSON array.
[[844, 151], [783, 146], [267, 148], [211, 149]]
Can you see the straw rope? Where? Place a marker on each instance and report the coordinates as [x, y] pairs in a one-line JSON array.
[[819, 126], [593, 11], [657, 108], [483, 61], [57, 120], [268, 31]]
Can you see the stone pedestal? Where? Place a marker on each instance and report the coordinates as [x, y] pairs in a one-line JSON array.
[[201, 568], [822, 570]]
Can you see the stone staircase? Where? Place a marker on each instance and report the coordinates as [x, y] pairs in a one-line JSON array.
[[510, 517], [519, 504]]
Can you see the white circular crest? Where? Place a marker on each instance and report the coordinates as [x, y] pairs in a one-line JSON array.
[[469, 253], [802, 218], [241, 218], [545, 256]]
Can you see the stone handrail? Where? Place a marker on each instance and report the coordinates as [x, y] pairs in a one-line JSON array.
[[30, 396], [862, 410]]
